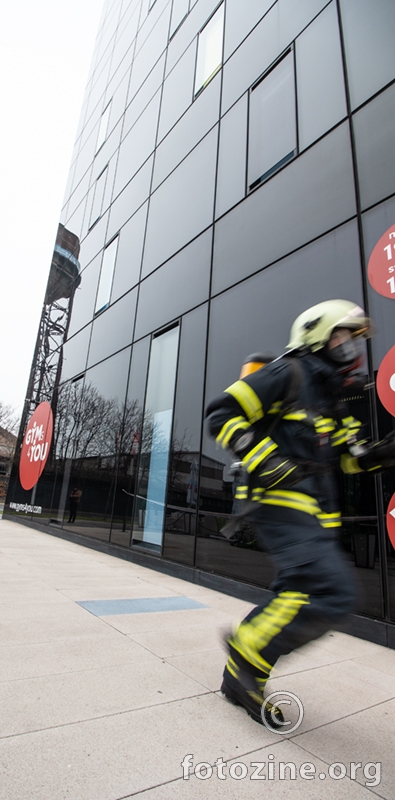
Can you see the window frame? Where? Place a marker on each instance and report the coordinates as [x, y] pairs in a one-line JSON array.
[[197, 92], [249, 188]]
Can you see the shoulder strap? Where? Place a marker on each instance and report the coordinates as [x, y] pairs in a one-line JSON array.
[[294, 387]]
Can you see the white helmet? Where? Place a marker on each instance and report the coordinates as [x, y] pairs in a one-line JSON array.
[[313, 328]]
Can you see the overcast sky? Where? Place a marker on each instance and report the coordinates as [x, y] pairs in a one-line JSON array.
[[46, 47]]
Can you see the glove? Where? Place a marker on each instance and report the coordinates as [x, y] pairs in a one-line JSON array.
[[380, 454], [279, 473]]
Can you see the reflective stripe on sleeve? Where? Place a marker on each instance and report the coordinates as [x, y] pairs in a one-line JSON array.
[[247, 399], [258, 454], [231, 427], [330, 520]]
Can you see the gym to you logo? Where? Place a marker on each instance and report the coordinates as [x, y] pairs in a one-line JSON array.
[[36, 445]]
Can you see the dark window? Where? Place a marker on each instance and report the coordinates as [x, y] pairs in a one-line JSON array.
[[272, 122]]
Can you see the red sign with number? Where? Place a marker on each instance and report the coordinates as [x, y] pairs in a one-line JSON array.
[[385, 382], [391, 520], [36, 444], [381, 267]]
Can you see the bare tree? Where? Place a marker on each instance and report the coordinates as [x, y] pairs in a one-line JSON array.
[[9, 419]]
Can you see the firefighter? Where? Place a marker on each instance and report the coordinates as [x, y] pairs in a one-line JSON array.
[[289, 454]]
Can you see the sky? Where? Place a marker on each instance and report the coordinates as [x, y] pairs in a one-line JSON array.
[[46, 48]]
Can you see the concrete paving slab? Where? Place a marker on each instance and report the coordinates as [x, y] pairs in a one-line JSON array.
[[206, 668], [55, 700], [335, 691], [70, 655], [90, 711], [176, 642], [366, 737], [287, 772], [174, 620], [111, 757]]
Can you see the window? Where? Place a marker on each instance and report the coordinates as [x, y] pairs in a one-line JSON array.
[[179, 12], [156, 441], [272, 122], [97, 200], [150, 4], [103, 127], [209, 53], [106, 276]]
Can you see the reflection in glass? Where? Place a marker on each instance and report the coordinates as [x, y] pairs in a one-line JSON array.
[[272, 123], [106, 276], [209, 58], [180, 522], [155, 446], [103, 128], [88, 441]]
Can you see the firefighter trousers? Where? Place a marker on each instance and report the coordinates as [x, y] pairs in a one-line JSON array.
[[313, 590]]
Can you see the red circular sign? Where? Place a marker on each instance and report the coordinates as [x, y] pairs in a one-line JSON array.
[[381, 267], [391, 520], [36, 444], [385, 381]]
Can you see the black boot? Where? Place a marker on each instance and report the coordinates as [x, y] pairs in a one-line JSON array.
[[244, 691]]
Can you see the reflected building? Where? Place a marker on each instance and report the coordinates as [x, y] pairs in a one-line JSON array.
[[233, 165]]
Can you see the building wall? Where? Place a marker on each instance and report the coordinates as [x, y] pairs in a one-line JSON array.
[[204, 231]]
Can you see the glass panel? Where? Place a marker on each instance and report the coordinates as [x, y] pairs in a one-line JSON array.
[[272, 123], [179, 285], [156, 437], [138, 144], [232, 157], [313, 194], [103, 128], [97, 201], [320, 81], [185, 450], [88, 446], [75, 353], [368, 27], [374, 127], [130, 249], [130, 445], [177, 91], [113, 329], [132, 196], [209, 58], [173, 222], [106, 276], [180, 10], [190, 129], [240, 19]]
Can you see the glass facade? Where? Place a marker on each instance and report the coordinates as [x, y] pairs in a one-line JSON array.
[[233, 166]]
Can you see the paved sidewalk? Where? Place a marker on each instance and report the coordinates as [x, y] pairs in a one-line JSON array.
[[102, 702]]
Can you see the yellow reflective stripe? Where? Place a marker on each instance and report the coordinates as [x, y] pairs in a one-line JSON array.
[[330, 520], [287, 499], [230, 427], [247, 399], [350, 428], [232, 667], [258, 454], [296, 416], [349, 465], [324, 424], [253, 636], [241, 493], [275, 407]]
